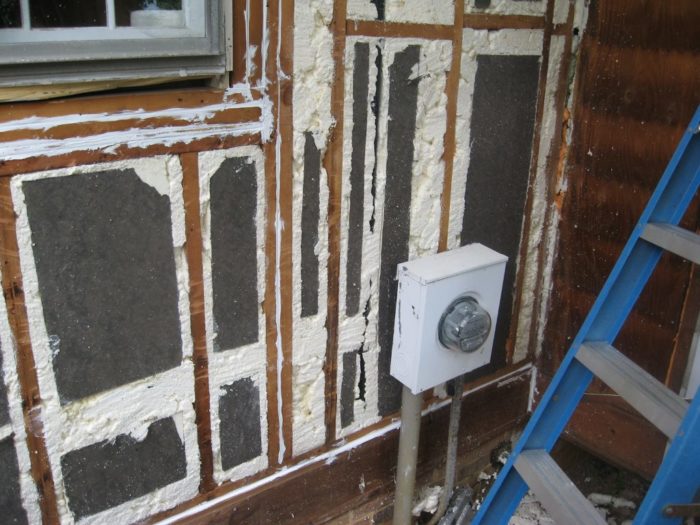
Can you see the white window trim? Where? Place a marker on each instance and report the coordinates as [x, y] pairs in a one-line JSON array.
[[75, 55]]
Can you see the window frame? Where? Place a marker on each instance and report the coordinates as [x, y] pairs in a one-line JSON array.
[[125, 54]]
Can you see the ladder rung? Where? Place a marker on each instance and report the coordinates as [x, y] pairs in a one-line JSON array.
[[674, 239], [640, 389], [560, 497]]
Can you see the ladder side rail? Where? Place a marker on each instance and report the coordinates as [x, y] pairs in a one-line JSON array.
[[678, 477], [572, 379], [565, 391]]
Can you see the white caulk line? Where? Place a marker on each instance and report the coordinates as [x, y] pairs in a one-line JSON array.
[[5, 431], [131, 138], [327, 457], [248, 66], [196, 114], [279, 227]]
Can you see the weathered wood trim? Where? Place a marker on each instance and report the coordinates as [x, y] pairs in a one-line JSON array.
[[193, 250], [555, 169], [81, 157], [79, 126], [494, 22], [161, 100], [452, 92], [13, 290], [333, 164], [377, 29], [528, 208], [336, 482]]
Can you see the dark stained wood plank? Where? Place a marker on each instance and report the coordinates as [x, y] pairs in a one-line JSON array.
[[193, 250], [373, 28], [333, 164], [326, 490], [646, 24]]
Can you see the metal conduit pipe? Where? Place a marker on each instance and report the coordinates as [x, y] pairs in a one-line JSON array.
[[411, 405], [452, 442]]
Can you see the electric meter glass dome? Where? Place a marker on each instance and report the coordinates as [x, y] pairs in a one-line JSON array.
[[464, 326]]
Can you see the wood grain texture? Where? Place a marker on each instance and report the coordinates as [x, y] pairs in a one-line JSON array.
[[528, 209], [324, 491], [554, 170], [193, 250], [26, 369], [82, 157], [380, 29], [82, 127], [638, 85], [285, 188], [333, 164], [119, 102], [452, 92], [494, 22]]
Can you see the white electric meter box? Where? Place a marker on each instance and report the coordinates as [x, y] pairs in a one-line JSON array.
[[438, 334]]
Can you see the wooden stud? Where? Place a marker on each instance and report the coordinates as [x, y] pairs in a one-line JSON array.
[[495, 22], [240, 46], [278, 156], [256, 30], [285, 189], [270, 301], [333, 164], [529, 202], [193, 229], [554, 169], [452, 92], [117, 103], [80, 127], [78, 158], [377, 29], [26, 367]]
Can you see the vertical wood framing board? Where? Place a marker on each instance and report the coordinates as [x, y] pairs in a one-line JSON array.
[[248, 360], [404, 11], [481, 43], [25, 505], [359, 329], [531, 293], [313, 77], [167, 396], [248, 43]]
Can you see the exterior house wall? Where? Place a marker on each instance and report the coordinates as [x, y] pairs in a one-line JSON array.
[[199, 283]]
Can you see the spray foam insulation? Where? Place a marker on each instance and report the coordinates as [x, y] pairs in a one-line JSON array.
[[392, 183], [312, 122], [232, 210], [403, 11], [105, 277]]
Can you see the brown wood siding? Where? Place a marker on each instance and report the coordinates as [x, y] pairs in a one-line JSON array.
[[638, 85]]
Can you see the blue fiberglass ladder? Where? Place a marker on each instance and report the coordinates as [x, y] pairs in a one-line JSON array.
[[676, 487]]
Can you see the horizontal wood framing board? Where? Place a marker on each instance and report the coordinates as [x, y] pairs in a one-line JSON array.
[[492, 22], [82, 126], [121, 102], [76, 158], [371, 28], [327, 489]]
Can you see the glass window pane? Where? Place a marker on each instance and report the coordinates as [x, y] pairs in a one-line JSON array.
[[10, 14], [149, 13], [67, 13]]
